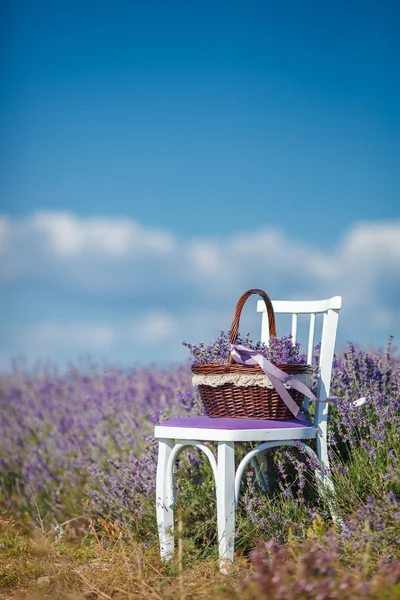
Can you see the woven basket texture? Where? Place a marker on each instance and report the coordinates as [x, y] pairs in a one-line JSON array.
[[251, 402]]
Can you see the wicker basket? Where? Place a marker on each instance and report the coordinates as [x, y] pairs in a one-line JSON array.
[[241, 400]]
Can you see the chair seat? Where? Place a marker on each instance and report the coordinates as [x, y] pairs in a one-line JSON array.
[[234, 430]]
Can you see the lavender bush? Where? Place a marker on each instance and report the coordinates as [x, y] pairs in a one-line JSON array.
[[365, 465], [316, 574], [82, 441], [59, 433]]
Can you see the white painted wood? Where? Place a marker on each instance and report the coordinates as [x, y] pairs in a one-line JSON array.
[[329, 329], [311, 335], [165, 513], [294, 328], [310, 351], [264, 328], [327, 349], [302, 306], [235, 435], [326, 359], [226, 504], [322, 453]]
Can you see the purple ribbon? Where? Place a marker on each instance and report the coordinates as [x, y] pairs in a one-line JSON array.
[[247, 356]]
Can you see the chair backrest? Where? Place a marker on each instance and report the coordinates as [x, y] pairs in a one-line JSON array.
[[329, 310]]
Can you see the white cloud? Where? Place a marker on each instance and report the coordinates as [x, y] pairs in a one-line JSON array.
[[377, 241], [155, 327], [188, 289], [64, 235], [366, 264], [68, 237], [207, 259]]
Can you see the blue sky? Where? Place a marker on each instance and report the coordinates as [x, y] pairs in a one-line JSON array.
[[159, 158]]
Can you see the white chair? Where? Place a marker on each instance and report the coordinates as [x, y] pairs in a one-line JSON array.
[[175, 434]]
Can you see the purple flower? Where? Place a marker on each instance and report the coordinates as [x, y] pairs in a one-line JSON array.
[[279, 351]]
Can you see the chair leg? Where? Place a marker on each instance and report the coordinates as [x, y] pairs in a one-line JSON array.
[[262, 465], [226, 504], [323, 474], [325, 479], [164, 500]]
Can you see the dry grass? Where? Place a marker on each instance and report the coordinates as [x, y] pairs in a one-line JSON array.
[[101, 560], [34, 565]]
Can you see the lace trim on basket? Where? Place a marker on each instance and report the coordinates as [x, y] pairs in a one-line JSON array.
[[242, 380]]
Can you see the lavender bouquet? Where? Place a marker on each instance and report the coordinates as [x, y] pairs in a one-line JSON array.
[[280, 351]]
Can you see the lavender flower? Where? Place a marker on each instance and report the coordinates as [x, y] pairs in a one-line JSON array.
[[279, 351]]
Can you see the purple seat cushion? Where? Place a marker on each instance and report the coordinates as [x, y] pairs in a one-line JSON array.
[[228, 423]]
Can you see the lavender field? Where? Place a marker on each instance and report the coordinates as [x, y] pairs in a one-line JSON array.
[[78, 460]]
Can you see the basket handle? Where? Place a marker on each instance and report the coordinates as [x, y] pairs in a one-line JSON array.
[[238, 311]]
